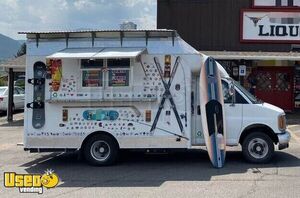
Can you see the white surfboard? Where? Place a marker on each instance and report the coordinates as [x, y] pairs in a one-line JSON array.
[[212, 112]]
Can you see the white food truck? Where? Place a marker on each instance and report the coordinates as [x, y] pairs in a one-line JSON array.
[[101, 91]]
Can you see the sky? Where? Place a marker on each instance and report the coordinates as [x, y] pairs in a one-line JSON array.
[[42, 15]]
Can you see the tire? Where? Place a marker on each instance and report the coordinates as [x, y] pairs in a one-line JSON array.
[[258, 148], [101, 150]]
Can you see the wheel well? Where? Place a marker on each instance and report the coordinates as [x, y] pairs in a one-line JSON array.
[[259, 128], [98, 133]]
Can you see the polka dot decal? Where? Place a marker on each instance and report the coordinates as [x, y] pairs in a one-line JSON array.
[[125, 125], [67, 88]]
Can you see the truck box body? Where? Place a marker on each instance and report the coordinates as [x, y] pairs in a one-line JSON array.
[[142, 94]]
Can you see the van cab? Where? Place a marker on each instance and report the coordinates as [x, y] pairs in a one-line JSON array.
[[254, 124]]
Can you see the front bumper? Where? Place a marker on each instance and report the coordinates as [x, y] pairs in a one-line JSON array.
[[283, 140]]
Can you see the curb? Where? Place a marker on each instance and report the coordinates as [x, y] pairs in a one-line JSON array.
[[17, 118]]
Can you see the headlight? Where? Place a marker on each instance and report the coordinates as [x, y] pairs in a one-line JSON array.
[[281, 122]]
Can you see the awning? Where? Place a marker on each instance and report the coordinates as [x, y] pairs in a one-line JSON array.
[[120, 52], [232, 55], [87, 53], [76, 53]]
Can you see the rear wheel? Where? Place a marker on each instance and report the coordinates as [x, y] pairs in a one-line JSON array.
[[258, 147], [101, 150]]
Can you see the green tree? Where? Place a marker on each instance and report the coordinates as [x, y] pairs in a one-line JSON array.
[[3, 81], [22, 50]]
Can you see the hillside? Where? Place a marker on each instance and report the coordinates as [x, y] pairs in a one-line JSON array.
[[8, 47]]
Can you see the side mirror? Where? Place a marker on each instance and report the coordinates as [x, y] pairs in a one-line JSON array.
[[232, 93], [231, 89]]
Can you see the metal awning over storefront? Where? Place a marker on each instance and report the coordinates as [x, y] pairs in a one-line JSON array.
[[84, 53], [234, 55], [17, 64]]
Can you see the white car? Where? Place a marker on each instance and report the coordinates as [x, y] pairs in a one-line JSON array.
[[19, 97]]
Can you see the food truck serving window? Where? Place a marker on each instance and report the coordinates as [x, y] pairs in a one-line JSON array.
[[87, 63], [118, 63], [118, 72], [92, 75]]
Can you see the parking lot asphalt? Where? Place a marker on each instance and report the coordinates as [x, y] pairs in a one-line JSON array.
[[181, 174]]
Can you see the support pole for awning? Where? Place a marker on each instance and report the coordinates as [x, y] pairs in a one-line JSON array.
[[10, 95]]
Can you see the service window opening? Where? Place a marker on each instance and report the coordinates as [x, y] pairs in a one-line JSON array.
[[100, 72]]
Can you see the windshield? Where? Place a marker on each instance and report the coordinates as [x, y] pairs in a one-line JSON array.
[[2, 90], [252, 98]]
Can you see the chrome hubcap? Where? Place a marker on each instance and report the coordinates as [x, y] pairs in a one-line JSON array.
[[258, 148], [100, 150]]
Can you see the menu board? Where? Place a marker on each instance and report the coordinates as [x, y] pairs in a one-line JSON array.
[[91, 78], [118, 78]]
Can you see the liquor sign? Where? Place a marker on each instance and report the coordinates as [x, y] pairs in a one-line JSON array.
[[276, 3], [282, 26]]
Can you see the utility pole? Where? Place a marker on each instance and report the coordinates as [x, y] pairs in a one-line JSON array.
[[10, 95]]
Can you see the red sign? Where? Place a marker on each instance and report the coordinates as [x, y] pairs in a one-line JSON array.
[[273, 26]]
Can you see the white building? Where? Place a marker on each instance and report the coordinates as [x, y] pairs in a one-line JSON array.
[[128, 26]]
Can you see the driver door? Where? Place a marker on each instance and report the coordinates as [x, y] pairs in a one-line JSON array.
[[233, 115]]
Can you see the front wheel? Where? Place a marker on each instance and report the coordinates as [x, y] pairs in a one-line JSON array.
[[101, 150], [258, 147]]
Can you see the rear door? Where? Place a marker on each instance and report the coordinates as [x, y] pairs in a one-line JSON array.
[[197, 134]]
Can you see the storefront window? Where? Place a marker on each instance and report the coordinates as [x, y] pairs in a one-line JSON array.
[[264, 81], [297, 84]]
